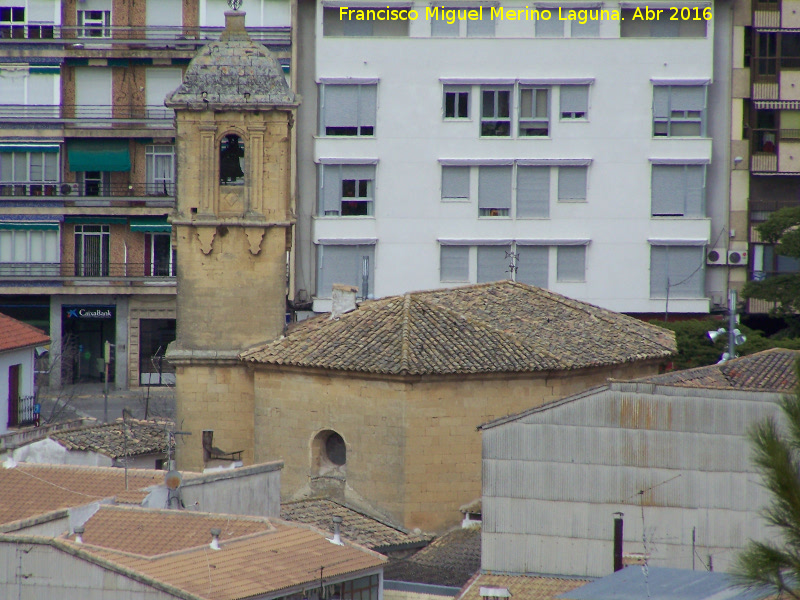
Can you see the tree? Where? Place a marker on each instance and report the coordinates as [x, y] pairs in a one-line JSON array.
[[782, 229], [774, 566]]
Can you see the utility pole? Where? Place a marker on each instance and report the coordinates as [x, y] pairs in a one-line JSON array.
[[732, 324], [106, 362]]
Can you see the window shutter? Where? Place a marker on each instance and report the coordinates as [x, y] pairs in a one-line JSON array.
[[681, 266], [43, 88], [588, 29], [494, 187], [440, 28], [571, 263], [341, 105], [572, 183], [688, 97], [480, 28], [532, 265], [455, 182], [668, 190], [6, 166], [51, 246], [661, 101], [367, 105], [492, 263], [158, 83], [695, 190], [331, 188], [343, 264], [549, 28], [575, 98], [93, 91], [454, 263], [533, 192], [50, 166]]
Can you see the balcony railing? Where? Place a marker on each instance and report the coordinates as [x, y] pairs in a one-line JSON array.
[[179, 37], [68, 113], [24, 413], [59, 193], [70, 271]]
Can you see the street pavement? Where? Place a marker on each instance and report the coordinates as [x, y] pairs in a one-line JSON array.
[[88, 400]]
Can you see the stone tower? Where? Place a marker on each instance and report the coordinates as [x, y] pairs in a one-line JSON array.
[[234, 113]]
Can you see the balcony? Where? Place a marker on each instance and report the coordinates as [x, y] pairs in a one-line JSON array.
[[23, 412], [63, 194], [775, 151], [158, 272], [71, 115], [173, 37]]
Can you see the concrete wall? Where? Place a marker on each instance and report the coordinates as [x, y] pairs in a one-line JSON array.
[[254, 491], [413, 451]]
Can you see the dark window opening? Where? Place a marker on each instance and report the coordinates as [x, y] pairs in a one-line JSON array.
[[335, 449], [231, 160]]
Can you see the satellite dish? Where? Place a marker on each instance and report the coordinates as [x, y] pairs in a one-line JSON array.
[[173, 480]]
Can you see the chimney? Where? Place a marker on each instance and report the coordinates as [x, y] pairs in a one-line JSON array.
[[79, 534], [618, 541], [344, 300], [337, 533], [234, 27], [214, 545]]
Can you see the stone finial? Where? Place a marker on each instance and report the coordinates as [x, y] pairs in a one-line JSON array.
[[234, 27]]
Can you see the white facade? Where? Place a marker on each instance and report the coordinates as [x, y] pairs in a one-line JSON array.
[[403, 145], [21, 361]]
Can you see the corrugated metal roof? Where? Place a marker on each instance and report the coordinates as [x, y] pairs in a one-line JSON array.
[[662, 584]]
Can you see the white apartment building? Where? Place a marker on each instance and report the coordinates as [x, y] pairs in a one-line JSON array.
[[587, 158]]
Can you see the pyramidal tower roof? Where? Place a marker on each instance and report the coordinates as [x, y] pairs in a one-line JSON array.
[[234, 73]]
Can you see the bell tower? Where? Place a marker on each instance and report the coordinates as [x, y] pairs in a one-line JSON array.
[[234, 112]]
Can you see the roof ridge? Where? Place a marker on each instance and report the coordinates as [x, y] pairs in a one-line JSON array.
[[404, 334], [511, 336]]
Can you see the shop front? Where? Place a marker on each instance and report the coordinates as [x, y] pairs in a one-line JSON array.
[[85, 330]]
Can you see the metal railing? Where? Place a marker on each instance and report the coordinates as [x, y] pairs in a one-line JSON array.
[[26, 411], [83, 112], [61, 190], [772, 205], [158, 269], [176, 36]]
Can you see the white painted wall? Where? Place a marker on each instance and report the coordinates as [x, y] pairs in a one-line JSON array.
[[411, 136], [22, 357]]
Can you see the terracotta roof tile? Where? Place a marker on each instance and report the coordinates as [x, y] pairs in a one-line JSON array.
[[521, 586], [356, 526], [16, 334], [496, 327], [770, 370], [143, 437], [249, 563], [450, 560], [29, 490]]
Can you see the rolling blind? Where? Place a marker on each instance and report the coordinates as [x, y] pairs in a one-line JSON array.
[[341, 106], [532, 265], [492, 263], [533, 192], [571, 263], [572, 183], [494, 187], [93, 92], [679, 266], [454, 263], [455, 182], [343, 264], [575, 98]]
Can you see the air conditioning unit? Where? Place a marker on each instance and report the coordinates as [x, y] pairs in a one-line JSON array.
[[717, 256], [68, 189], [737, 258]]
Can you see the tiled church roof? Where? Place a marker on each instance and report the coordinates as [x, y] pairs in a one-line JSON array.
[[486, 328]]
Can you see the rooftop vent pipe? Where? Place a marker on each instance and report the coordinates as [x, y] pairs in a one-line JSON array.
[[337, 532], [214, 545], [79, 534]]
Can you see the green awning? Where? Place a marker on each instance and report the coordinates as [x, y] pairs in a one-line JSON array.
[[29, 226], [29, 147], [99, 155], [95, 220], [150, 224]]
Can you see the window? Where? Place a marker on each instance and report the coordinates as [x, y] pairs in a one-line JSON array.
[[455, 183], [456, 102], [678, 190], [12, 22], [365, 588], [572, 184], [574, 101], [440, 27], [571, 263], [532, 265], [494, 263], [494, 191], [154, 337], [591, 28], [159, 255], [94, 23], [94, 183], [551, 28], [533, 192], [461, 21], [347, 190], [348, 265], [28, 173], [495, 112], [679, 110], [349, 110], [29, 252], [91, 250], [231, 160], [370, 25], [534, 119], [160, 170], [480, 27], [454, 263], [677, 271], [636, 22]]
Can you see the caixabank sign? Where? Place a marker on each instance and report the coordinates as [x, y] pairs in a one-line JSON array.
[[89, 312]]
